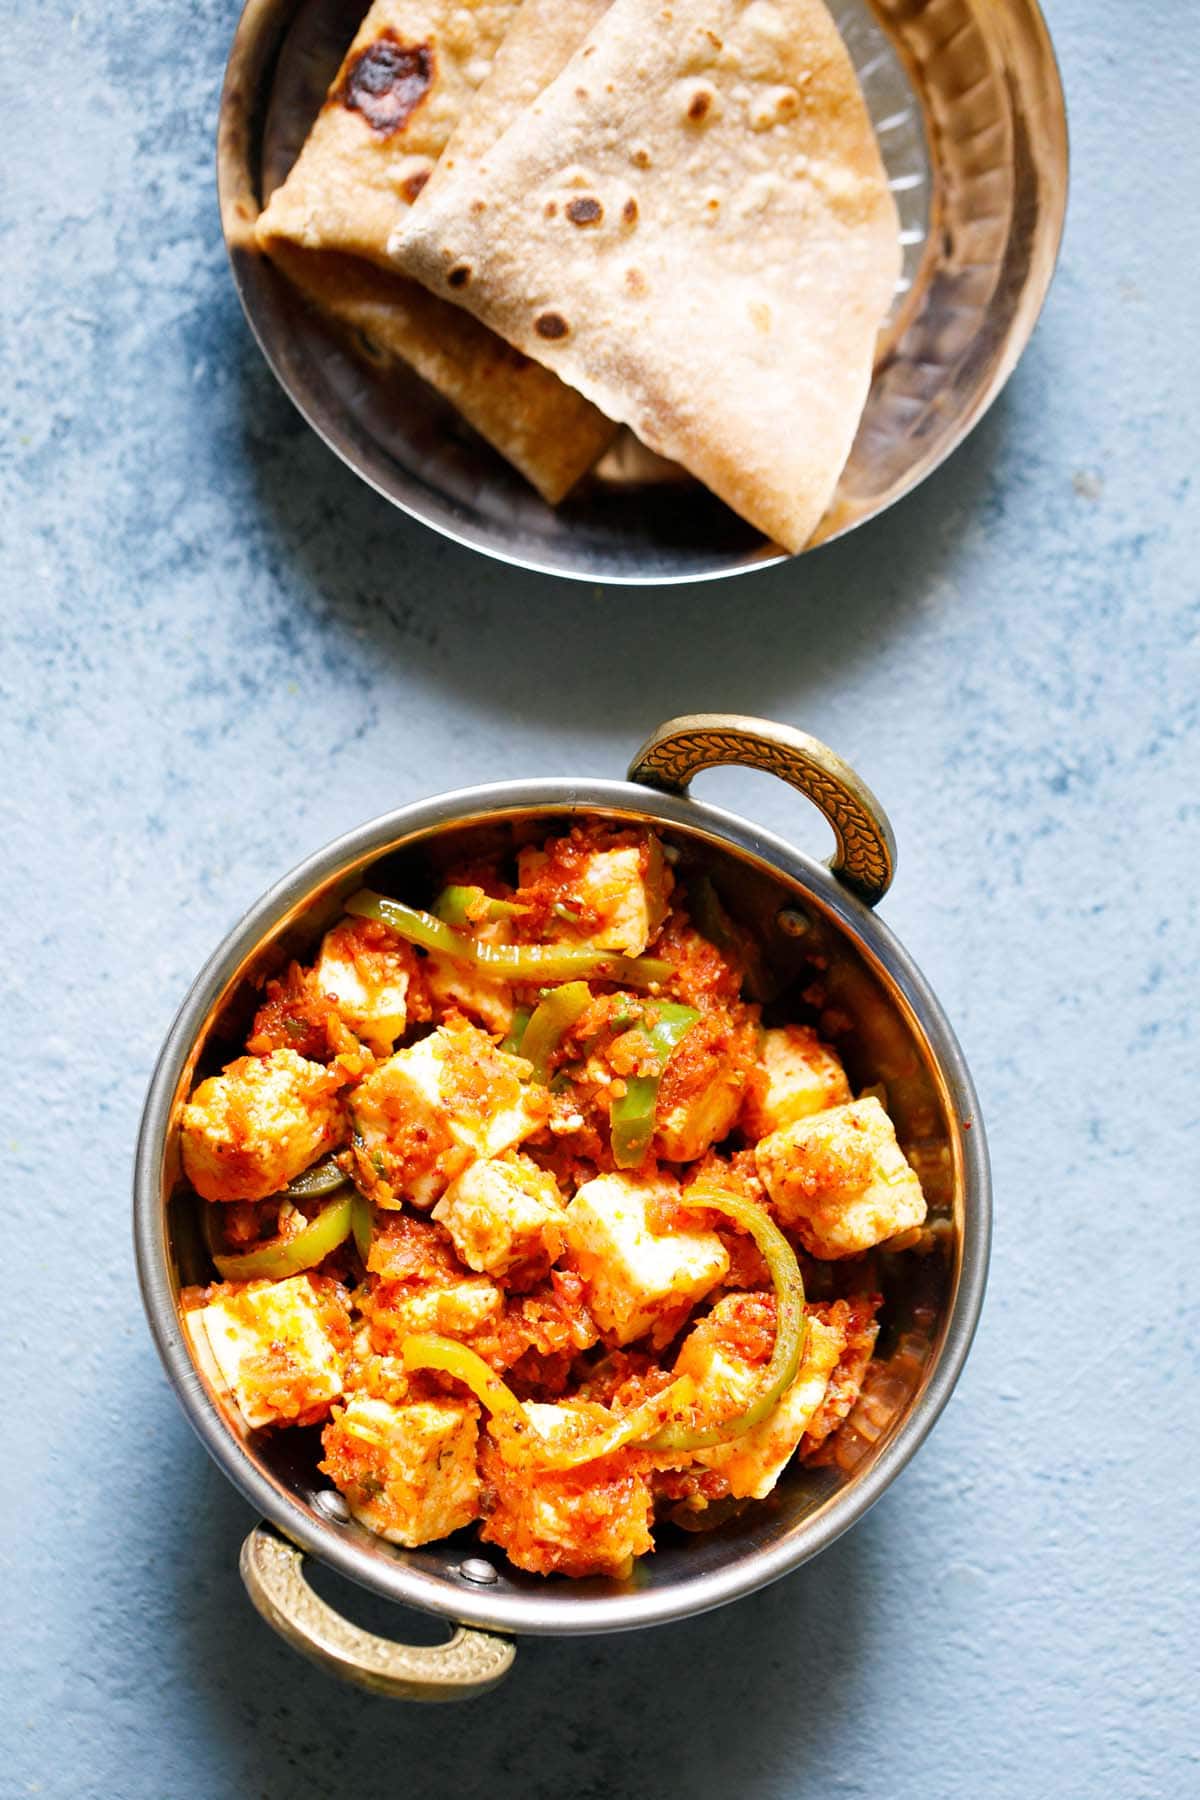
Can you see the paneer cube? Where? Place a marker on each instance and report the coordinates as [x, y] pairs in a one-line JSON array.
[[620, 891], [855, 1319], [704, 1085], [840, 1180], [638, 1282], [366, 971], [430, 1111], [592, 1520], [480, 996], [471, 990], [727, 1380], [505, 1215], [408, 1472], [797, 1076], [247, 1132], [383, 1377], [690, 1126], [277, 1347], [452, 1309]]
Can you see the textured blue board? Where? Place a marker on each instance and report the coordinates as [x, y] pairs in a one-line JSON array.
[[219, 650]]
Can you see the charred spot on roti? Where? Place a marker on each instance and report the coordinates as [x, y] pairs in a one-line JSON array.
[[701, 103], [581, 93], [636, 282], [551, 325], [586, 211], [639, 156], [629, 211], [552, 209], [387, 81], [408, 175], [478, 206], [459, 275]]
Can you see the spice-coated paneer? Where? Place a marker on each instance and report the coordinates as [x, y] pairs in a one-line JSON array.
[[638, 1282], [797, 1075], [726, 1377], [431, 1110], [279, 1346], [452, 1309], [704, 1085], [408, 1472], [592, 1520], [479, 995], [840, 1180], [505, 1215], [855, 1319], [249, 1131], [366, 971], [611, 898], [469, 989]]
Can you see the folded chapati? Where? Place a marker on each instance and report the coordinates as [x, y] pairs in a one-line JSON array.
[[408, 76], [545, 429], [692, 225]]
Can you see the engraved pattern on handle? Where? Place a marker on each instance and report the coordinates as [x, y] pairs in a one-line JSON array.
[[865, 858], [273, 1572]]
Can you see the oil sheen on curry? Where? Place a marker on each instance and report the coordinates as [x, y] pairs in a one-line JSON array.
[[520, 1202]]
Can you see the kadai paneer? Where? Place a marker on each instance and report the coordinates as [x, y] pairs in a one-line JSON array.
[[516, 1197]]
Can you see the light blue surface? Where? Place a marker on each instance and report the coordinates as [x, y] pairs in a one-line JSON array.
[[219, 650]]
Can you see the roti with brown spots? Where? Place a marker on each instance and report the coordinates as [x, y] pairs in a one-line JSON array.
[[692, 225], [411, 70]]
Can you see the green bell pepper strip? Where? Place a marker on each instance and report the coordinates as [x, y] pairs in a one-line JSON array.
[[540, 964], [325, 1177], [427, 1350], [418, 927], [516, 1439], [453, 906], [632, 1118], [362, 1223], [552, 1018], [522, 1447], [284, 1256], [791, 1324], [516, 1031]]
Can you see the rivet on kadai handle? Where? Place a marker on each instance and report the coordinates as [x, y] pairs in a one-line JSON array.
[[865, 854]]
